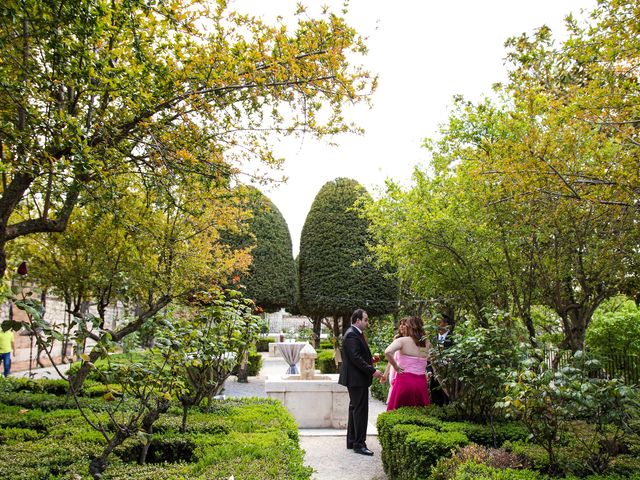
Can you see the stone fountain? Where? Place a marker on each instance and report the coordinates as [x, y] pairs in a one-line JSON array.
[[315, 401]]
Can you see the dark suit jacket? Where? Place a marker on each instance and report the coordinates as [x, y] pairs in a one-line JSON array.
[[448, 341], [357, 365]]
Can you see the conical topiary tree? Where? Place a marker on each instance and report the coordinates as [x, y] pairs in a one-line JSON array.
[[336, 274], [271, 278]]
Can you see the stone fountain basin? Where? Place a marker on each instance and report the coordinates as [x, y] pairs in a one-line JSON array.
[[315, 378], [317, 403]]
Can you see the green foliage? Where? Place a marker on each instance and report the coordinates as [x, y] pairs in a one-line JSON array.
[[529, 196], [551, 403], [248, 438], [380, 333], [474, 471], [336, 273], [262, 343], [446, 468], [254, 365], [206, 345], [474, 369], [271, 279], [425, 447], [41, 385], [615, 329], [380, 390], [326, 361]]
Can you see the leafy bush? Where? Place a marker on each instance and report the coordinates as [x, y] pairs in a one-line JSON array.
[[380, 390], [326, 363], [488, 435], [246, 438], [41, 385], [255, 364], [262, 343], [615, 328], [551, 403], [12, 435], [474, 369], [446, 468], [475, 471], [425, 447], [393, 433]]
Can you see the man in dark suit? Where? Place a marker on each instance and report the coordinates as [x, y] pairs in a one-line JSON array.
[[356, 374], [442, 341]]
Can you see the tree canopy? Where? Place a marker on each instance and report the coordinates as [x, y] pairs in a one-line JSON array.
[[337, 274], [271, 278], [93, 91], [531, 197]]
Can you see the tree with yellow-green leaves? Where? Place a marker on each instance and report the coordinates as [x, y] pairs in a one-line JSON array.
[[140, 246], [532, 197], [93, 91]]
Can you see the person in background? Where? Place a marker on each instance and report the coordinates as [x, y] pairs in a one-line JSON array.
[[442, 340], [7, 347]]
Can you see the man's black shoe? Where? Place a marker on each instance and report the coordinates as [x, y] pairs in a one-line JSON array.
[[350, 446], [363, 451]]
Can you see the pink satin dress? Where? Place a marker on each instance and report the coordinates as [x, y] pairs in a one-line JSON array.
[[409, 388]]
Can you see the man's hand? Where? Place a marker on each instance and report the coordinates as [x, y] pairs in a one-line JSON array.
[[377, 374]]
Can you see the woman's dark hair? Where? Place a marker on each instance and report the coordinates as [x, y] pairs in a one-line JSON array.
[[415, 330], [357, 315]]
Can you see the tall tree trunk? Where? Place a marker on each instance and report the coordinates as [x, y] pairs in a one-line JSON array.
[[317, 329]]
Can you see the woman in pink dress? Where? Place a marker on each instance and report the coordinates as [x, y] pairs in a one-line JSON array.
[[408, 356]]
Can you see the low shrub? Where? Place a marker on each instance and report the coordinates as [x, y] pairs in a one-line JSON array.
[[255, 364], [425, 447], [246, 438], [476, 471], [625, 465], [163, 449], [16, 434], [99, 389], [41, 385], [326, 363], [262, 344], [396, 456], [445, 468], [487, 435]]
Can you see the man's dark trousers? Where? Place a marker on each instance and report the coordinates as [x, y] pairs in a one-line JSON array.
[[358, 417]]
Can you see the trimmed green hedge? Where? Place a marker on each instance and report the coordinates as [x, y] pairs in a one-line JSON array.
[[475, 471], [415, 449], [247, 438], [41, 385], [425, 430], [325, 361], [425, 446], [262, 344]]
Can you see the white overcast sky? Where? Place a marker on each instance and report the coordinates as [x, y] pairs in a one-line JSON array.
[[424, 53]]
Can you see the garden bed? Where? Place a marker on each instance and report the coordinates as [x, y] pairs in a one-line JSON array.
[[246, 438], [425, 443]]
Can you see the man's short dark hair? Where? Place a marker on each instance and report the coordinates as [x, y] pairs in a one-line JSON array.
[[357, 315]]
